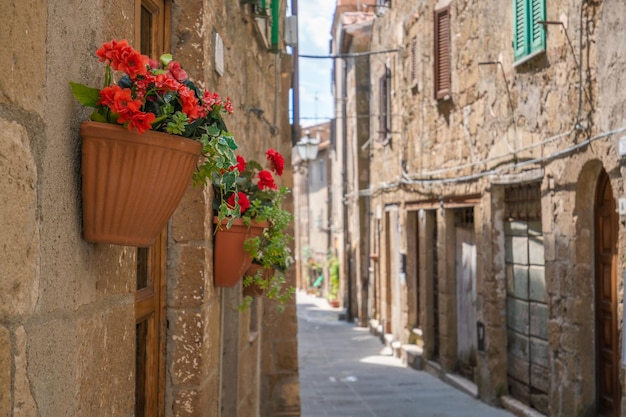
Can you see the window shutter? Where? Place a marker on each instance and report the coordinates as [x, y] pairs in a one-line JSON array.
[[442, 53], [382, 112], [387, 101], [536, 31], [520, 42]]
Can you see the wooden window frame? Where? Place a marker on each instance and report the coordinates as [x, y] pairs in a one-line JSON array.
[[160, 33], [529, 37], [443, 66]]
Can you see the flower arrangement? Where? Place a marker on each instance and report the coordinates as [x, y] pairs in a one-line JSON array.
[[159, 96], [259, 198]]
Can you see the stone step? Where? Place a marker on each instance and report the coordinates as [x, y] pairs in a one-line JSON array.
[[412, 356]]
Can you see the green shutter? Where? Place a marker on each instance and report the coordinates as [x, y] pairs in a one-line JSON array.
[[537, 31], [520, 34]]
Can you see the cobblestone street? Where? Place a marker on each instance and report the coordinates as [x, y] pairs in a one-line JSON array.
[[344, 374]]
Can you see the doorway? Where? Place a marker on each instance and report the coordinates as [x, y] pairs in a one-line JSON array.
[[608, 390], [466, 291]]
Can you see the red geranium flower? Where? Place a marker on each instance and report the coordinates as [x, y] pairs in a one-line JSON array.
[[244, 202], [241, 163], [177, 71], [266, 180], [277, 162]]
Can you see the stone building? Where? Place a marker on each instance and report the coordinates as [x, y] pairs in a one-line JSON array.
[[72, 341], [495, 172], [311, 193]]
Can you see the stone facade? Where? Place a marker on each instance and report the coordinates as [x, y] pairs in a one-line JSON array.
[[67, 315], [485, 206]]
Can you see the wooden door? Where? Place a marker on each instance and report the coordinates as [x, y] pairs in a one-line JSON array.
[[150, 334], [466, 300], [608, 390]]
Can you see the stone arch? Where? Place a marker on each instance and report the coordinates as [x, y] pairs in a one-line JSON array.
[[584, 273]]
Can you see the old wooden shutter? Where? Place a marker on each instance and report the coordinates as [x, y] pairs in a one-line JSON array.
[[528, 36], [520, 43], [442, 53], [537, 33], [384, 98]]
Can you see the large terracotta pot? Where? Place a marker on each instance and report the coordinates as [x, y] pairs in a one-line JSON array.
[[230, 261], [132, 182]]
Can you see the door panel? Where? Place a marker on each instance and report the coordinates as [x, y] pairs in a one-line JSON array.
[[607, 349]]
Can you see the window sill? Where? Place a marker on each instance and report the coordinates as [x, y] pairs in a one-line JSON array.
[[528, 57]]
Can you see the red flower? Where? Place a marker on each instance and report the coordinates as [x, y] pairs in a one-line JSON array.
[[228, 106], [244, 202], [241, 164], [177, 71], [191, 106], [266, 180], [123, 57], [107, 95], [276, 160], [141, 121]]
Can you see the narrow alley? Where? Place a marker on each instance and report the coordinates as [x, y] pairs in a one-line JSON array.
[[343, 373]]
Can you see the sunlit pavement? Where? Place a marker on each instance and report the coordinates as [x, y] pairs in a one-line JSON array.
[[343, 373]]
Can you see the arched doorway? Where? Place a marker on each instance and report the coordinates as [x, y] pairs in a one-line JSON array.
[[608, 391]]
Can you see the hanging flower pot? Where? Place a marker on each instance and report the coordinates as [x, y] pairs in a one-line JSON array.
[[230, 260], [132, 183]]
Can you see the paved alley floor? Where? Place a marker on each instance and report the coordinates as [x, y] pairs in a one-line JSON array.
[[344, 374]]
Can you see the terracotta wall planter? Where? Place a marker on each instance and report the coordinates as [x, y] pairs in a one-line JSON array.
[[230, 261], [132, 183]]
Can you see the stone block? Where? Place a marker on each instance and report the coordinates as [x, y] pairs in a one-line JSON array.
[[23, 402], [539, 352], [26, 30], [54, 372], [518, 345], [5, 372], [20, 240], [188, 222], [536, 252], [518, 369], [188, 286], [106, 346]]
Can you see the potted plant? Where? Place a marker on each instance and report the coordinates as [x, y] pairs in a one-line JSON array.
[[259, 199], [333, 290], [143, 145]]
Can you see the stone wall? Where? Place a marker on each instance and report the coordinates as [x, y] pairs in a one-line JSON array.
[[67, 319], [465, 151]]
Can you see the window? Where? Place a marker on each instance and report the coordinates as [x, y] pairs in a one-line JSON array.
[[529, 37], [442, 53], [384, 105]]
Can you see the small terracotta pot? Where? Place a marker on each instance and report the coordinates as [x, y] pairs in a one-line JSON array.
[[132, 182], [230, 261]]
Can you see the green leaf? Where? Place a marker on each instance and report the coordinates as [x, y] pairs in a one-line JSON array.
[[166, 59], [87, 96]]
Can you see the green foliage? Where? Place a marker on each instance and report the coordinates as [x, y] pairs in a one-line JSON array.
[[333, 271], [272, 249]]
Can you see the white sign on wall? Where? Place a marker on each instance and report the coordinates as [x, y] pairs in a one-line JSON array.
[[219, 54]]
